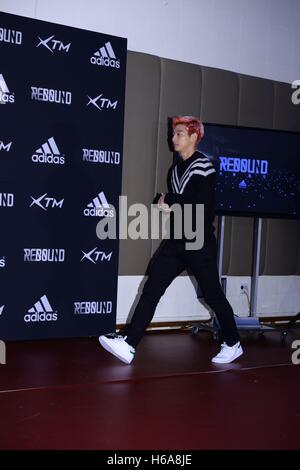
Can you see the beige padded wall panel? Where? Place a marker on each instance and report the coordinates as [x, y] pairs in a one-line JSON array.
[[240, 263], [256, 102], [282, 247], [227, 244], [282, 236], [140, 145], [286, 114], [256, 98], [263, 244], [219, 105], [219, 96], [180, 93]]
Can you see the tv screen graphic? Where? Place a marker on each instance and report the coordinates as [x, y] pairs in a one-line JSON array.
[[258, 170]]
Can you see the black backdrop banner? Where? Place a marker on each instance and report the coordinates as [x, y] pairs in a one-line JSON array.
[[62, 93]]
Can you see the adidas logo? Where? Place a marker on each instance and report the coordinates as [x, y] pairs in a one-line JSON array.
[[3, 86], [5, 95], [99, 207], [1, 309], [105, 56], [48, 153], [41, 311], [2, 262], [243, 185], [5, 147]]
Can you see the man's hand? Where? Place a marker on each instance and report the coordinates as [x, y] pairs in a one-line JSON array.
[[162, 205]]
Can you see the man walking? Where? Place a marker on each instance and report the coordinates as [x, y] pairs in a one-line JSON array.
[[190, 181]]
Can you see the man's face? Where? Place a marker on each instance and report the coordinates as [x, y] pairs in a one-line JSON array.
[[182, 140]]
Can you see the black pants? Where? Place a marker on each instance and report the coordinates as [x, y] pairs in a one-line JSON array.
[[170, 260]]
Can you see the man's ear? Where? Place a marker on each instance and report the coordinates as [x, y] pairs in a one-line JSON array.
[[194, 137]]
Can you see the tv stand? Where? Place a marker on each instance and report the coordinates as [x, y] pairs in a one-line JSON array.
[[251, 323]]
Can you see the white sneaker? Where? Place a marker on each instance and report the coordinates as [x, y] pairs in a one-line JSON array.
[[116, 345], [228, 353]]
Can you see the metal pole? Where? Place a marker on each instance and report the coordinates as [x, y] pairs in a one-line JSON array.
[[256, 262], [221, 227]]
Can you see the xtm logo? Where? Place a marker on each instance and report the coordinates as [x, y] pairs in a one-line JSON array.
[[4, 146], [6, 199], [10, 35], [53, 44], [2, 262], [41, 311], [99, 207], [49, 202], [95, 255], [48, 153], [105, 103], [105, 56], [296, 94], [5, 95]]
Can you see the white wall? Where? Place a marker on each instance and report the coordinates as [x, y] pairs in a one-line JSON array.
[[277, 296], [254, 37]]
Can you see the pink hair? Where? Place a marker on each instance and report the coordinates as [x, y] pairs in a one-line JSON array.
[[193, 125]]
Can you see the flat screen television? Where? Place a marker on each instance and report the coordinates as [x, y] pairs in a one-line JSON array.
[[258, 170]]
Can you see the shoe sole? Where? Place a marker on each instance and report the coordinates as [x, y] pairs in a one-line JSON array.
[[108, 348], [227, 362]]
